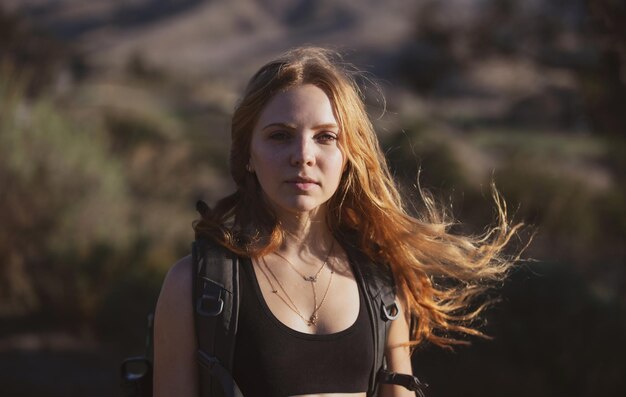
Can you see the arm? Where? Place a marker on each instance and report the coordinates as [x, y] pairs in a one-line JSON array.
[[398, 357], [175, 368]]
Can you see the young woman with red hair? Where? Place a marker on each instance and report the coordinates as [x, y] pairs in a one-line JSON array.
[[315, 202]]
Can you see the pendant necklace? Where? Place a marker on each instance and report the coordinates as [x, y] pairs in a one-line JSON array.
[[312, 319]]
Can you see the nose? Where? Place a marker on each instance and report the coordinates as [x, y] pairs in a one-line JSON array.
[[303, 152]]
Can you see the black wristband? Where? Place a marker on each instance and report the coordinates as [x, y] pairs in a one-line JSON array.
[[410, 382]]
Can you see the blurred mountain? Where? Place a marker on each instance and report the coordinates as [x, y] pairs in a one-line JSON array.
[[115, 119], [208, 37]]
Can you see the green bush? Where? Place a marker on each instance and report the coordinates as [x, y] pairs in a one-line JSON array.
[[62, 192]]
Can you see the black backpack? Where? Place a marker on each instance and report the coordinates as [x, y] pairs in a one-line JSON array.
[[215, 298]]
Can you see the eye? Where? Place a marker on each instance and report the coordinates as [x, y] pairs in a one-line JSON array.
[[279, 135], [326, 137]]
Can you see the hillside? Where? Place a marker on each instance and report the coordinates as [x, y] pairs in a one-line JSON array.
[[115, 119], [216, 37]]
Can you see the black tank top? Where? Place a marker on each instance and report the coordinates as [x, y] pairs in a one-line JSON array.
[[274, 360]]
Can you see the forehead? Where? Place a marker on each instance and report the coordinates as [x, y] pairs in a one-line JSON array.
[[301, 105]]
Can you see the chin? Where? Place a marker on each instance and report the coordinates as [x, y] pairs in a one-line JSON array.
[[301, 206]]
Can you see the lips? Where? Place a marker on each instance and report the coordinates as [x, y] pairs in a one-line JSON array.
[[301, 179], [302, 183]]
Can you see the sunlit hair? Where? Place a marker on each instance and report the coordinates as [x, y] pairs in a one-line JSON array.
[[441, 276]]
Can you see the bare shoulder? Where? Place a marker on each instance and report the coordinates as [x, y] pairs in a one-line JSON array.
[[174, 307], [399, 329], [398, 356], [179, 274], [174, 335], [178, 279]]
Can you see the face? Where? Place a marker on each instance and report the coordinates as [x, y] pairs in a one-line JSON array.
[[295, 152]]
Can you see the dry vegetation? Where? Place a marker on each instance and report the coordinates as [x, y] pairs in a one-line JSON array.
[[103, 154]]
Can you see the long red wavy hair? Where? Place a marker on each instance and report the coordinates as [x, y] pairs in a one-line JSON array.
[[441, 276]]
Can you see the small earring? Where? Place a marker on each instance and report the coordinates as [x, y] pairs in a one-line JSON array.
[[248, 167]]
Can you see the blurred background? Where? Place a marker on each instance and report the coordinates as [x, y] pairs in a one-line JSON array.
[[114, 120]]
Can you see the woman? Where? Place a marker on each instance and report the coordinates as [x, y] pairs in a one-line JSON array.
[[311, 182]]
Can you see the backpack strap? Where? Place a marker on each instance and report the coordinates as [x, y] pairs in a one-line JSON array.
[[378, 282], [379, 287], [215, 299]]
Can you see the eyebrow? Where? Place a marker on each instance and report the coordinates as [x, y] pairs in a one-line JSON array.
[[292, 126]]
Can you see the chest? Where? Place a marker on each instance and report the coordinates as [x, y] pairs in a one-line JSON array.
[[323, 303], [276, 351]]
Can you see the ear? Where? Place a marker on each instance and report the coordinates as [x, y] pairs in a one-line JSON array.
[[250, 166]]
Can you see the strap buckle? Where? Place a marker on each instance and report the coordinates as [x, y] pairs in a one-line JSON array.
[[207, 361], [210, 302], [134, 369], [414, 384], [209, 305], [390, 312]]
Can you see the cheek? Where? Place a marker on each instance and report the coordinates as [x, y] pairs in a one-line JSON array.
[[266, 165], [264, 158], [336, 166], [259, 155]]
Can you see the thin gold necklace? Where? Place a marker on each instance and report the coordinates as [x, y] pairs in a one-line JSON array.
[[312, 320], [311, 279]]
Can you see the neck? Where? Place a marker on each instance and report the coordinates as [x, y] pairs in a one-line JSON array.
[[306, 234]]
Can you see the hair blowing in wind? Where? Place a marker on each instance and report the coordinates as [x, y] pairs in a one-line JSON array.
[[442, 277]]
